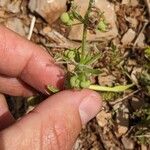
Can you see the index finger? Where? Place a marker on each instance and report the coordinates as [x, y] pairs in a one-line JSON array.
[[22, 59]]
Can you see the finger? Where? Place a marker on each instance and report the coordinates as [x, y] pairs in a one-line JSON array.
[[55, 124], [21, 58], [15, 87], [6, 119]]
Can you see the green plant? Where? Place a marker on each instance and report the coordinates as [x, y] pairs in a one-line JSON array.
[[83, 58], [147, 52], [145, 81], [141, 131]]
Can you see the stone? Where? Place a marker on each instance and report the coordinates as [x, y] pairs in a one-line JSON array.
[[103, 118], [128, 143], [3, 3], [107, 80], [141, 41], [128, 37], [121, 130], [134, 74], [134, 3], [16, 25], [130, 2], [125, 2], [109, 13], [50, 10], [14, 6]]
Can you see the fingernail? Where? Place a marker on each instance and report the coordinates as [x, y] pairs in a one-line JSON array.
[[89, 107]]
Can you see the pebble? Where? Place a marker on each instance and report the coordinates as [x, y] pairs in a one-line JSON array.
[[3, 3], [103, 118], [128, 37], [50, 10], [14, 6], [16, 25], [141, 40], [107, 80], [128, 143]]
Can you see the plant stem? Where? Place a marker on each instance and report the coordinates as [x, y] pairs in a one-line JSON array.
[[85, 29]]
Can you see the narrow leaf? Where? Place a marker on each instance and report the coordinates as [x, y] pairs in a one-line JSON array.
[[88, 70], [93, 60], [120, 88], [52, 89]]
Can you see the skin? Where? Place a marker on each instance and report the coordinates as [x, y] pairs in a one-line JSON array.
[[55, 124]]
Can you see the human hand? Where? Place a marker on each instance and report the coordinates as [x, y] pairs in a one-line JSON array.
[[56, 122]]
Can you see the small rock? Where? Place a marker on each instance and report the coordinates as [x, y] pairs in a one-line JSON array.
[[103, 118], [144, 147], [134, 2], [14, 6], [121, 130], [141, 40], [130, 2], [132, 62], [50, 10], [107, 80], [3, 3], [16, 25], [47, 29], [128, 143], [128, 37], [125, 2], [135, 73], [109, 13]]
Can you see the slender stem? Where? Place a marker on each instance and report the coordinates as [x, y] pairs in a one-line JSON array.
[[85, 29]]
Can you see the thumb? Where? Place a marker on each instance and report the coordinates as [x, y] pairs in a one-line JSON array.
[[54, 124]]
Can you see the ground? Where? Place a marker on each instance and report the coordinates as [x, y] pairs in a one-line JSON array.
[[124, 121]]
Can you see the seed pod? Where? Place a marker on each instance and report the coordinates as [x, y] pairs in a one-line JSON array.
[[85, 84], [102, 26], [74, 82], [71, 55], [65, 18]]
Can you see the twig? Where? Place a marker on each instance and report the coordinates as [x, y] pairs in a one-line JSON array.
[[84, 37], [124, 98], [147, 2], [31, 27], [60, 40], [137, 38]]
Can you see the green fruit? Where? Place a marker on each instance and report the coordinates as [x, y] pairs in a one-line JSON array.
[[71, 55], [69, 23], [85, 84], [102, 26], [82, 77], [65, 18], [75, 82]]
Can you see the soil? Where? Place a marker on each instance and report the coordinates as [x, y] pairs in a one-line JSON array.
[[124, 122]]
